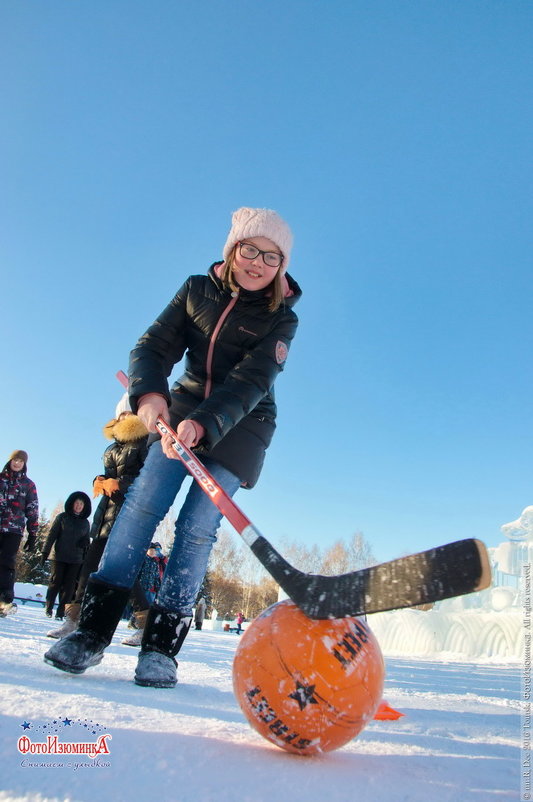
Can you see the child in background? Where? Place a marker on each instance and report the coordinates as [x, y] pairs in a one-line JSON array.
[[123, 460], [19, 508], [149, 575], [199, 613], [240, 619], [69, 539]]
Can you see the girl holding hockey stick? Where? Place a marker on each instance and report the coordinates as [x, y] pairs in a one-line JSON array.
[[235, 327]]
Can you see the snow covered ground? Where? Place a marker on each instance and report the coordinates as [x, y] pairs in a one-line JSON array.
[[459, 739]]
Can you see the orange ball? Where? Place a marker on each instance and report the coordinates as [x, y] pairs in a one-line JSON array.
[[307, 686]]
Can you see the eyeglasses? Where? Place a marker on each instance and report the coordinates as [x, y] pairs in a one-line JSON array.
[[270, 258]]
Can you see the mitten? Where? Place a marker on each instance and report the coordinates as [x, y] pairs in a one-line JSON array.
[[110, 486], [30, 543], [98, 488]]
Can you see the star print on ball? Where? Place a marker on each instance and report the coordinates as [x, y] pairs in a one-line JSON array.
[[307, 685], [304, 695]]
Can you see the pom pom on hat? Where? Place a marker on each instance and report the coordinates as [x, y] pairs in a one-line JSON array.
[[18, 454], [247, 223]]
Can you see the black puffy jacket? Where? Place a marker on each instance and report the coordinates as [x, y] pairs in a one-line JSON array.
[[122, 460], [234, 349], [68, 538]]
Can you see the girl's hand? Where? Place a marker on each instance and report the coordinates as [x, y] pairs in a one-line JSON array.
[[98, 487], [189, 434], [150, 407]]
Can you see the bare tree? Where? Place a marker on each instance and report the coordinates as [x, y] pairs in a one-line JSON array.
[[253, 577], [335, 560], [308, 559], [224, 558], [360, 551], [264, 594], [164, 533], [238, 582], [225, 595], [59, 507]]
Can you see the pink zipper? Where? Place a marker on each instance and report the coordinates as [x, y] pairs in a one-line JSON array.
[[216, 330]]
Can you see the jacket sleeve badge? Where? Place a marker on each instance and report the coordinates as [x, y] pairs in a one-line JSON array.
[[281, 352]]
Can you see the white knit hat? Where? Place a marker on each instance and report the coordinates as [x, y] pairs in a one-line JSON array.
[[123, 405], [247, 223]]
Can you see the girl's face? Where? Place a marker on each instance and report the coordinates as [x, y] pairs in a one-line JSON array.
[[78, 506], [17, 464], [254, 274]]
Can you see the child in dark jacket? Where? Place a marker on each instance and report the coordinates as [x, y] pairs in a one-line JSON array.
[[68, 541], [123, 460], [234, 326], [149, 575]]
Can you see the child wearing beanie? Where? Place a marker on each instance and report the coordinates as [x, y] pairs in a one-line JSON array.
[[233, 327], [19, 508]]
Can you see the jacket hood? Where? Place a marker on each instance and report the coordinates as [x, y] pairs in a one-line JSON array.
[[127, 430], [293, 292], [69, 504]]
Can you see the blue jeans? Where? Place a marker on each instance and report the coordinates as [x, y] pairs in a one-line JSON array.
[[147, 502]]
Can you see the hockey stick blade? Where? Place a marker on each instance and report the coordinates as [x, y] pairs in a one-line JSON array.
[[454, 569], [451, 570], [429, 576]]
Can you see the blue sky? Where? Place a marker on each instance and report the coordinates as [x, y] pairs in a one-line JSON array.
[[395, 138]]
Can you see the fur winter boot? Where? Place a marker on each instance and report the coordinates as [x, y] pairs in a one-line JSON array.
[[163, 637], [7, 608], [140, 622], [100, 613], [72, 616]]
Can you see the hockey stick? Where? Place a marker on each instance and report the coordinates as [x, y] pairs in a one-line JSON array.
[[429, 576]]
